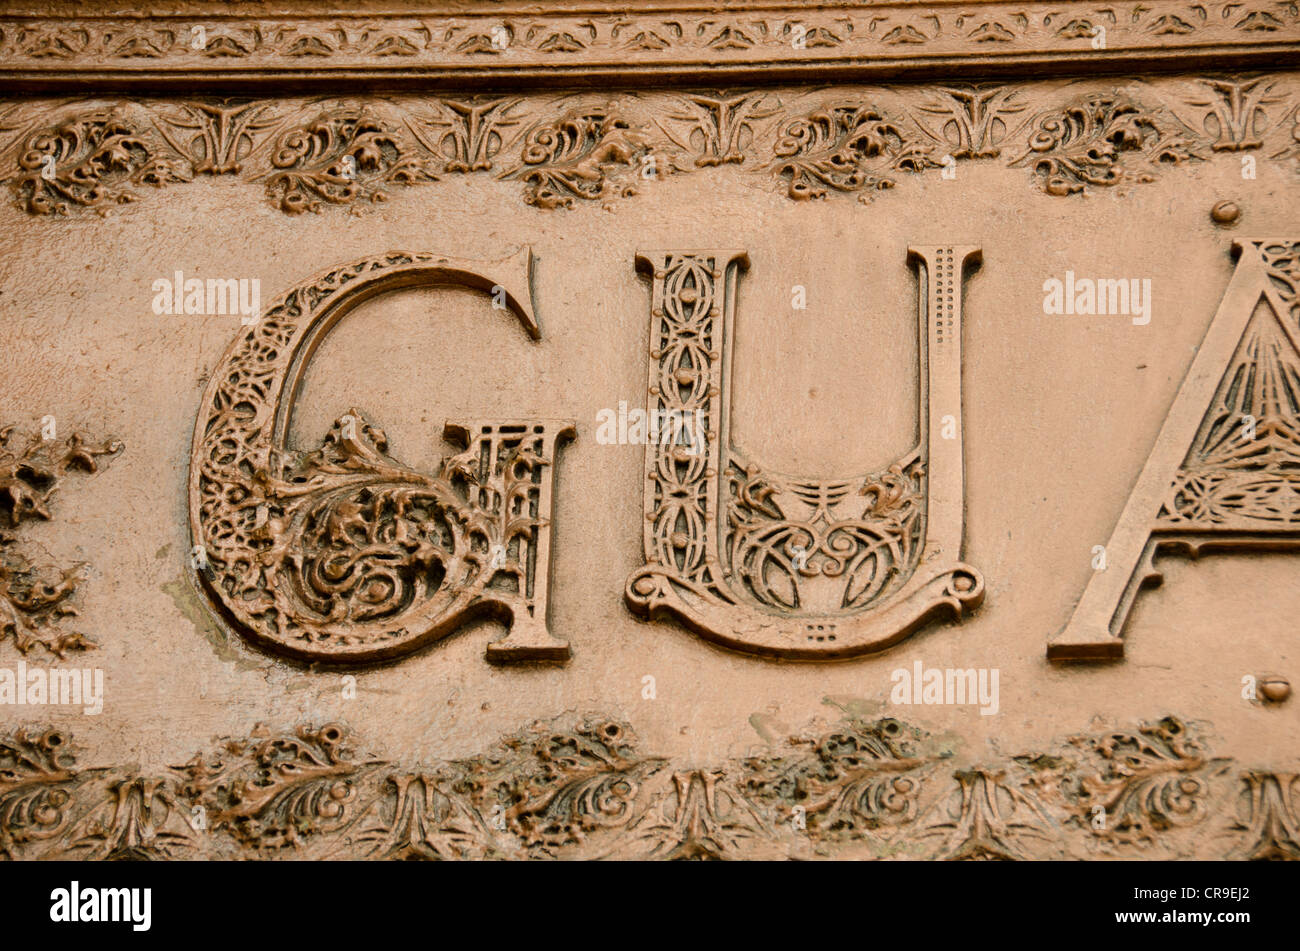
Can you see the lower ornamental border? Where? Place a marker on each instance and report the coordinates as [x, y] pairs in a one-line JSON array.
[[584, 788]]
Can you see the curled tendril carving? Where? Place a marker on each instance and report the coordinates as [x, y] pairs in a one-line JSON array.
[[343, 553]]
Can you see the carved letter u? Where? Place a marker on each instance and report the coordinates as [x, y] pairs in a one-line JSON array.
[[785, 566]]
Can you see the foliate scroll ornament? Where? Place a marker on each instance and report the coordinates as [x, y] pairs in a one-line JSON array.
[[36, 776], [340, 159], [848, 149], [1225, 470], [65, 156], [774, 564], [584, 788], [585, 154], [91, 161], [854, 783], [1104, 141], [1152, 780], [559, 788], [36, 599], [273, 790], [342, 553]]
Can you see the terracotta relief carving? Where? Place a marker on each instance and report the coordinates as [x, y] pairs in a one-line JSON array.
[[64, 157], [1270, 817], [1103, 141], [569, 158], [36, 599], [342, 553], [340, 158], [777, 564], [602, 40], [89, 161], [585, 789], [1225, 469], [847, 149]]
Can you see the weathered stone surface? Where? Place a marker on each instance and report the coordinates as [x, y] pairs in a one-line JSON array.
[[420, 467]]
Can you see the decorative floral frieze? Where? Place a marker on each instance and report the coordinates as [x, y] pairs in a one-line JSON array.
[[572, 158], [586, 789], [89, 161], [602, 40], [339, 159], [65, 157], [1152, 780]]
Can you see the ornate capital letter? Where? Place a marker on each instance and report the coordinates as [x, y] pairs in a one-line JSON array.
[[779, 565], [1225, 470], [343, 553]]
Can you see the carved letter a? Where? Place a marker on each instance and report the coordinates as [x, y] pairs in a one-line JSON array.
[[1226, 477]]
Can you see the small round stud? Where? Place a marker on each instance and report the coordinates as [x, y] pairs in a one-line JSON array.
[[1225, 213]]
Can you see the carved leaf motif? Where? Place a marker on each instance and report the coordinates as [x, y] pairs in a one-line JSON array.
[[846, 148], [573, 157], [90, 162], [141, 820], [36, 773], [717, 130], [340, 159], [559, 789], [216, 138], [1104, 141], [564, 789], [283, 788], [991, 818], [702, 814], [853, 783], [1152, 780], [466, 134], [428, 817], [34, 599], [1269, 816]]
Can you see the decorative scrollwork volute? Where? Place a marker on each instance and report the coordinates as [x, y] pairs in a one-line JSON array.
[[779, 565], [342, 553]]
